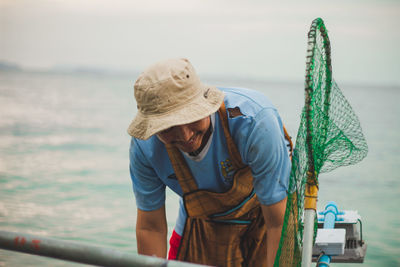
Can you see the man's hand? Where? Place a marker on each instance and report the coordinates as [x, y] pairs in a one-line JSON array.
[[273, 216], [151, 232]]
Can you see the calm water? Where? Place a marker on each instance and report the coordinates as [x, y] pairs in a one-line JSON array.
[[64, 161]]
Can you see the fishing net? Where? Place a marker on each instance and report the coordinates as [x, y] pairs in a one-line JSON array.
[[329, 136]]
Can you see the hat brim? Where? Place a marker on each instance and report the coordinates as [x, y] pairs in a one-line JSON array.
[[144, 126]]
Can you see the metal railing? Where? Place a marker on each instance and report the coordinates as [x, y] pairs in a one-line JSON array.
[[81, 253]]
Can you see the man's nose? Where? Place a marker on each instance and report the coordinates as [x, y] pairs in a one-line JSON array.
[[183, 133]]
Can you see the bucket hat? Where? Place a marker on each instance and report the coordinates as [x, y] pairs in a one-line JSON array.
[[170, 93]]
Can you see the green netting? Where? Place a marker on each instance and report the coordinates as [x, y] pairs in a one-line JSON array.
[[329, 136]]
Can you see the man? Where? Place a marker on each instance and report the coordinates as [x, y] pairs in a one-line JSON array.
[[224, 151]]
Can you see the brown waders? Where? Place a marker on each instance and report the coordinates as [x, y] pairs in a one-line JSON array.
[[221, 229]]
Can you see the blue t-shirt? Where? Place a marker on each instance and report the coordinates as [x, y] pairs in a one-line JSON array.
[[260, 139]]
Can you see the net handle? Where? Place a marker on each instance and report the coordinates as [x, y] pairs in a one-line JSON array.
[[311, 190]]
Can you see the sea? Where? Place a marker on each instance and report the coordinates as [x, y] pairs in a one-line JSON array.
[[64, 168]]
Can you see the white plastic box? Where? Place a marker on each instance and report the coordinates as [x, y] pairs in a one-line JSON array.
[[330, 241]]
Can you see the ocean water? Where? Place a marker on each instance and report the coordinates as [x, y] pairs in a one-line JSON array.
[[64, 161]]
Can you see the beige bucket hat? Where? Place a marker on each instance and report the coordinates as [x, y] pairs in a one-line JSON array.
[[169, 93]]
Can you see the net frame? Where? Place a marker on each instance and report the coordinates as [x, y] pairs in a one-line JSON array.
[[317, 33], [290, 255], [318, 76], [329, 136]]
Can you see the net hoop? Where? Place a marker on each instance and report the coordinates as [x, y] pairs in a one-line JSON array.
[[317, 29]]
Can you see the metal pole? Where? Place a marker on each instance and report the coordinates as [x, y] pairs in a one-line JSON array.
[[82, 253], [308, 236], [310, 208]]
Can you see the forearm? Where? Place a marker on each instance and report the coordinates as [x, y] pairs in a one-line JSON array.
[[273, 238], [274, 217], [151, 243], [151, 232]]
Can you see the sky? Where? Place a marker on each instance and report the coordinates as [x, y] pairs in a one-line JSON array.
[[256, 39]]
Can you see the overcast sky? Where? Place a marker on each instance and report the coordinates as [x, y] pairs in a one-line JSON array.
[[253, 38]]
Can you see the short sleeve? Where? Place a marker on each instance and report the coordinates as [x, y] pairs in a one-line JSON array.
[[265, 150], [149, 190]]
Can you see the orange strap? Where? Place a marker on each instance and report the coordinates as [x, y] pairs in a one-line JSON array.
[[311, 193], [232, 149], [183, 173]]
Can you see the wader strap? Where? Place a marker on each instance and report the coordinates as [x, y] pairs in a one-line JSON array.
[[233, 151], [183, 173], [289, 139]]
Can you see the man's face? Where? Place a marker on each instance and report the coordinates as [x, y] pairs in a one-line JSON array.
[[187, 137]]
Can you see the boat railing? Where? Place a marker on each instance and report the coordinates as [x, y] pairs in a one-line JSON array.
[[80, 252]]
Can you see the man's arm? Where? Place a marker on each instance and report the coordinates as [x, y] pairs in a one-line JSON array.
[[151, 232], [273, 216]]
